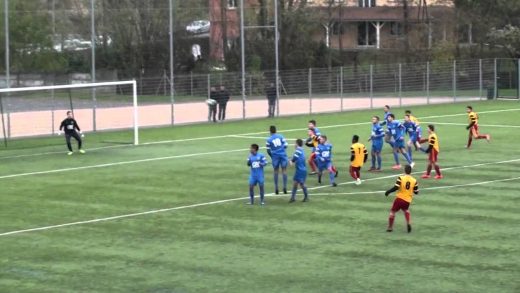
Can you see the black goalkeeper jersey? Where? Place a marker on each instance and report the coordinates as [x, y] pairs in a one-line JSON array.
[[69, 125]]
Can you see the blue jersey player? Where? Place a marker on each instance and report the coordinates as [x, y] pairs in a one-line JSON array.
[[376, 137], [256, 162], [300, 174], [397, 130], [324, 160], [276, 148], [413, 131], [388, 136]]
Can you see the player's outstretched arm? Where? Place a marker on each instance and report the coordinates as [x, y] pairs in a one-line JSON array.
[[393, 189]]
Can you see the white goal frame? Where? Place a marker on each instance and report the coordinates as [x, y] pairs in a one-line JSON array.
[[89, 85]]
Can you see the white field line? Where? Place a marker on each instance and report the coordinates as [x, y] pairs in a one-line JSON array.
[[245, 198], [421, 189], [466, 124], [242, 134]]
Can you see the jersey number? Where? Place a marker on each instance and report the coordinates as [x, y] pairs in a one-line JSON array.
[[325, 154], [277, 142], [255, 165], [407, 185]]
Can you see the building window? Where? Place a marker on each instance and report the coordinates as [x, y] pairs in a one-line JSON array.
[[337, 28], [232, 3], [366, 34], [367, 3], [396, 28]]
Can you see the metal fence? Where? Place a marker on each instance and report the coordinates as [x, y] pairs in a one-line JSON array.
[[306, 91]]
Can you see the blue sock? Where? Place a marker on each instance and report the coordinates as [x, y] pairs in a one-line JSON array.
[[305, 194], [251, 194], [396, 158], [293, 192], [261, 193], [331, 177], [373, 161], [284, 177], [405, 155], [410, 152], [276, 180], [379, 159]]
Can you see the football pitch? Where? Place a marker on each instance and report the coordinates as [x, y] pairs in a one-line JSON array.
[[170, 215]]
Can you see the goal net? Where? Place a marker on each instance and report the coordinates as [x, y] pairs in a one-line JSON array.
[[97, 107]]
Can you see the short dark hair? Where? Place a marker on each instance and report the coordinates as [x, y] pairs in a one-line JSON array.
[[408, 169], [355, 138], [431, 127], [272, 129], [392, 115], [408, 112], [469, 107], [386, 106], [313, 122], [377, 117], [324, 137], [255, 147], [407, 115], [299, 142], [69, 112]]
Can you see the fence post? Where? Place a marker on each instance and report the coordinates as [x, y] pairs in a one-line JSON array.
[[191, 83], [495, 83], [427, 82], [8, 124], [310, 90], [454, 81], [209, 85], [371, 86], [52, 111], [341, 86], [518, 82], [400, 85], [480, 82], [250, 85]]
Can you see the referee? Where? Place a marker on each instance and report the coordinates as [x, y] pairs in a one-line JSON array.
[[69, 125]]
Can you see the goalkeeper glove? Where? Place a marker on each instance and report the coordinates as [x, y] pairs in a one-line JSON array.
[[59, 132], [81, 133], [467, 127]]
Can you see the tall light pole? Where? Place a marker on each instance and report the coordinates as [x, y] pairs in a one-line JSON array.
[[172, 85], [93, 59], [242, 59], [7, 65]]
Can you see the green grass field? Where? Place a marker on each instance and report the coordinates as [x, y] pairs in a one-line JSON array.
[[465, 236]]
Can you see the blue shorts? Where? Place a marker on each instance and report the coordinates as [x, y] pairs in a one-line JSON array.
[[256, 180], [280, 161], [377, 147], [324, 165], [300, 176], [413, 138], [418, 132], [399, 144]]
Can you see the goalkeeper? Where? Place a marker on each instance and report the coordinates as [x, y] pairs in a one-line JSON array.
[[71, 128]]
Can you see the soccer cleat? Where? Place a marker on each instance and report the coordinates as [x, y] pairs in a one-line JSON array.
[[396, 167], [409, 228], [358, 181], [438, 177], [262, 203], [319, 180], [488, 137], [412, 164], [313, 173], [69, 153], [377, 170], [276, 191], [250, 203], [81, 151], [285, 191], [389, 230], [305, 199], [334, 184], [426, 176], [336, 175], [292, 200], [372, 169]]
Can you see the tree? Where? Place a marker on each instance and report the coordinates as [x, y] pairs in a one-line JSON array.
[[507, 38]]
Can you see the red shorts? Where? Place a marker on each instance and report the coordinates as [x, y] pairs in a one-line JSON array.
[[432, 156], [400, 204], [312, 157]]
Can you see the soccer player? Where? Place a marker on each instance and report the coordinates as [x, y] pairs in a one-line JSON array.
[[406, 187], [376, 137], [388, 136], [298, 160], [71, 128], [411, 128], [473, 127], [433, 153], [256, 161], [397, 131], [314, 141], [276, 149], [324, 160], [358, 157], [414, 119]]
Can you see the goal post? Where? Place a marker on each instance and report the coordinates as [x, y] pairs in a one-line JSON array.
[[38, 110]]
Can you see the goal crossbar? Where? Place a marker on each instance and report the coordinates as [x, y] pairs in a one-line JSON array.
[[133, 83]]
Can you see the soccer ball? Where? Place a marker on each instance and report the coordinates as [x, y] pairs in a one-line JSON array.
[[211, 102]]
